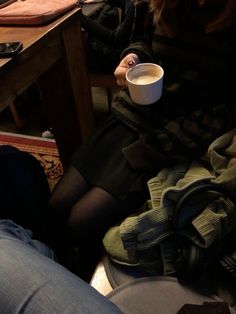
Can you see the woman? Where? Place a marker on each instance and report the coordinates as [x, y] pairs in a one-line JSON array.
[[194, 41]]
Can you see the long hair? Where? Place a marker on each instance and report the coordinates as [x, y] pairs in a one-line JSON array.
[[171, 14]]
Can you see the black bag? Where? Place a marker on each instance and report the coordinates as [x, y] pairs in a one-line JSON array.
[[108, 16], [194, 261], [103, 56]]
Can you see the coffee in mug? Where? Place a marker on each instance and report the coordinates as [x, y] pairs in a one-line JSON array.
[[145, 83]]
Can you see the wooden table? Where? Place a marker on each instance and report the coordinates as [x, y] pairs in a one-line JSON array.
[[54, 55]]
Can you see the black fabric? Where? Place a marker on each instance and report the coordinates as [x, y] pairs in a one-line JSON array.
[[107, 166], [194, 261], [228, 263], [107, 37], [205, 308], [24, 190]]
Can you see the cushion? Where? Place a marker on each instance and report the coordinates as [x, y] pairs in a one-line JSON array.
[[162, 295]]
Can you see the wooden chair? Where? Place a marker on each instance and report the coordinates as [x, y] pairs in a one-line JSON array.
[[10, 103], [106, 81]]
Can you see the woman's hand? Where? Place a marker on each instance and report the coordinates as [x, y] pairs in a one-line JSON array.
[[127, 62]]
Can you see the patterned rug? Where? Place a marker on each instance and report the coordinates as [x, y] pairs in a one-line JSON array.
[[44, 150]]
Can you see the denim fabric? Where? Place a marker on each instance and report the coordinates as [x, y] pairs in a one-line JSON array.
[[10, 230], [32, 282]]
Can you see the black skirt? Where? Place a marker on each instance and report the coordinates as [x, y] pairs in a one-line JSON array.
[[102, 163]]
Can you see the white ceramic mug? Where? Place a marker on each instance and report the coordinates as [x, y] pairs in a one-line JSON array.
[[145, 83]]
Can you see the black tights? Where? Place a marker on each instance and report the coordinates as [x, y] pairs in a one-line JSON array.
[[84, 213]]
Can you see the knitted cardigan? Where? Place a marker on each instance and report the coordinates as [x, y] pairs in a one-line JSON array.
[[148, 238]]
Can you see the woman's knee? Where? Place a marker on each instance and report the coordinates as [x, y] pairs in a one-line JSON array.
[[98, 210], [67, 192]]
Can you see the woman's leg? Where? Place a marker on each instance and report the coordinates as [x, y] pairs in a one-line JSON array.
[[88, 221], [31, 282], [87, 213], [80, 204], [69, 189]]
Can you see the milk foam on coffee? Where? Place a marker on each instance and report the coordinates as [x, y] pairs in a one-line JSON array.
[[144, 79]]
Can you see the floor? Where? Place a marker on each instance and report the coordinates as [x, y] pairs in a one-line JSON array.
[[99, 280], [34, 121], [29, 109]]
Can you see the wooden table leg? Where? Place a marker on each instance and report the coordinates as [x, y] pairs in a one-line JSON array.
[[60, 110], [67, 95], [78, 75]]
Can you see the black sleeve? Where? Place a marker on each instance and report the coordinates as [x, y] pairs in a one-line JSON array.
[[96, 29], [143, 23], [141, 49], [141, 37], [119, 38], [117, 3], [124, 30]]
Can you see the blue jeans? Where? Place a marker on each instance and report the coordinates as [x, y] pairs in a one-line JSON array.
[[31, 281]]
